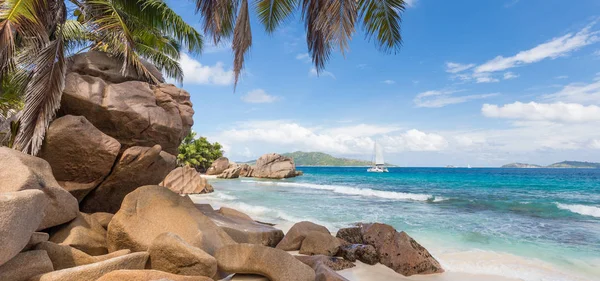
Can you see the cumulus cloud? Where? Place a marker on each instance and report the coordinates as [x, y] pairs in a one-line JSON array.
[[509, 75], [313, 73], [554, 112], [389, 82], [259, 96], [196, 73], [578, 93], [303, 57], [414, 140], [441, 98], [552, 49], [454, 67]]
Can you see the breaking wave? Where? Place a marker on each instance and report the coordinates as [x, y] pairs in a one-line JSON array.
[[581, 209]]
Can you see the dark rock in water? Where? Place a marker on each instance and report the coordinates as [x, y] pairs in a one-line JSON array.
[[137, 166], [218, 166], [81, 156], [399, 251], [294, 237], [363, 253], [319, 243], [351, 235], [332, 262]]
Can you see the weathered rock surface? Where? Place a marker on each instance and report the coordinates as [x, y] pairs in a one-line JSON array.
[[123, 106], [274, 166], [25, 265], [332, 262], [84, 233], [242, 229], [20, 215], [275, 264], [363, 253], [246, 170], [169, 253], [102, 218], [319, 243], [63, 256], [248, 277], [230, 173], [21, 172], [352, 235], [35, 239], [399, 251], [136, 167], [152, 210], [294, 237], [218, 166], [324, 273], [148, 275], [186, 180], [92, 272], [80, 155]]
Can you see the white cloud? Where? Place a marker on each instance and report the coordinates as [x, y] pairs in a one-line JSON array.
[[303, 57], [363, 130], [259, 96], [453, 67], [561, 77], [196, 73], [597, 53], [552, 49], [552, 112], [313, 73], [509, 75], [436, 99], [578, 93], [389, 82], [414, 140]]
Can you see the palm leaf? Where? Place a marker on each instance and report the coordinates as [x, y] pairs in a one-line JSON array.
[[317, 33], [273, 12], [381, 19], [218, 17], [242, 39]]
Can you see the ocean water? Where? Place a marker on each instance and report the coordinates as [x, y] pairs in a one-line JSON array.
[[531, 224]]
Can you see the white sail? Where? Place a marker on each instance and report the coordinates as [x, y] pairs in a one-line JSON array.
[[378, 155]]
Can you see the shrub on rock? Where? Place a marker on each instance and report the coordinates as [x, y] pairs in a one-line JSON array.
[[21, 172]]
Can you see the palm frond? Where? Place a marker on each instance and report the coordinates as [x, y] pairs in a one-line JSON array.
[[381, 20], [273, 12], [163, 62], [341, 21], [42, 95], [242, 39], [317, 33], [218, 17]]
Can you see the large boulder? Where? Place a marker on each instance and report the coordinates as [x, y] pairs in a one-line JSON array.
[[218, 166], [102, 218], [125, 107], [246, 170], [148, 275], [364, 253], [109, 68], [324, 273], [352, 235], [242, 228], [186, 180], [152, 210], [93, 271], [230, 173], [20, 216], [35, 239], [21, 172], [275, 264], [25, 265], [80, 155], [399, 251], [332, 262], [294, 237], [84, 233], [137, 166], [319, 243], [169, 253], [63, 256], [274, 166]]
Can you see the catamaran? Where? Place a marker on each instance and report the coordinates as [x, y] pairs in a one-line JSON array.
[[378, 164]]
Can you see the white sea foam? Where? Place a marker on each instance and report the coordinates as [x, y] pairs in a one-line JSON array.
[[581, 209], [347, 190]]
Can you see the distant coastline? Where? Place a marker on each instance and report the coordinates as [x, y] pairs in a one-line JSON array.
[[320, 159], [559, 165]]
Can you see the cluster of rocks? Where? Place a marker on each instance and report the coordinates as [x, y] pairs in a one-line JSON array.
[[269, 166]]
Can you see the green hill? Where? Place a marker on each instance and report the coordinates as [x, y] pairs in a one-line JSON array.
[[563, 164], [322, 159]]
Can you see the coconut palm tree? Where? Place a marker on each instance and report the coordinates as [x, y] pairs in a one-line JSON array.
[[328, 23], [36, 37]]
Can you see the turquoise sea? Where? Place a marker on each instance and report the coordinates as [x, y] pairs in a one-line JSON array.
[[533, 224]]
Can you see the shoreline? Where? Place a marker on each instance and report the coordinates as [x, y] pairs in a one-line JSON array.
[[459, 264]]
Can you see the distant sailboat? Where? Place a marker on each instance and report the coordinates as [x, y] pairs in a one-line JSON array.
[[468, 166], [379, 163]]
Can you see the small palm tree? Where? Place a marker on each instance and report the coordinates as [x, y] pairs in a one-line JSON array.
[[328, 23], [37, 35]]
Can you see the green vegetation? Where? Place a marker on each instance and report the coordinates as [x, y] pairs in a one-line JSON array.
[[563, 164], [322, 159], [198, 153]]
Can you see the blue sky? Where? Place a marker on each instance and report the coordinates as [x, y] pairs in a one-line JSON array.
[[476, 82]]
